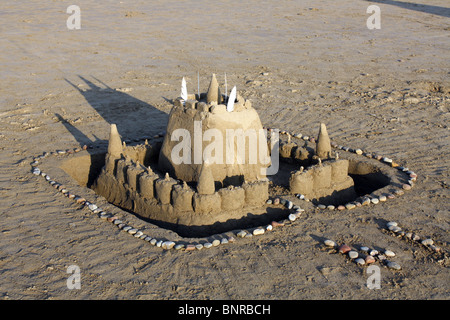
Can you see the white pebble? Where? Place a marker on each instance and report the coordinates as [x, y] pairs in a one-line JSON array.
[[427, 242], [360, 261], [289, 204], [391, 223], [374, 200], [92, 207], [241, 234], [389, 253], [269, 227], [364, 249], [373, 252], [329, 243], [258, 231], [216, 242], [167, 245], [207, 245], [292, 217], [353, 254]]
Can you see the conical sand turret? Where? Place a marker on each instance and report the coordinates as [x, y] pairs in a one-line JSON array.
[[205, 184], [114, 149], [213, 93], [323, 147], [115, 143]]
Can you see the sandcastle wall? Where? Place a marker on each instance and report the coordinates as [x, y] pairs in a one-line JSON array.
[[324, 182], [130, 185]]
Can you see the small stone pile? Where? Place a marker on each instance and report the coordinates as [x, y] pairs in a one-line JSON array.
[[366, 255]]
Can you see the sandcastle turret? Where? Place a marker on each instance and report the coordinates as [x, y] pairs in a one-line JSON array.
[[115, 149], [323, 148], [213, 93], [205, 184]]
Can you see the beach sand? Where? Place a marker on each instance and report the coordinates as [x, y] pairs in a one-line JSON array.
[[301, 63]]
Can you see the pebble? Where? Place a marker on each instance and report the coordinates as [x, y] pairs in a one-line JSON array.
[[147, 239], [322, 206], [391, 224], [350, 206], [395, 229], [393, 265], [369, 259], [373, 252], [241, 234], [199, 246], [427, 242], [36, 171], [132, 231], [207, 245], [329, 243], [375, 200], [389, 253], [365, 201], [353, 254], [224, 241], [269, 201], [258, 231], [390, 196], [364, 249], [126, 228], [138, 234], [269, 227], [387, 160], [331, 207], [92, 207], [344, 248], [358, 151], [276, 201], [341, 207], [406, 186], [167, 245], [289, 204], [382, 198], [360, 261], [416, 237], [276, 224], [159, 243], [153, 241], [179, 246], [292, 217]]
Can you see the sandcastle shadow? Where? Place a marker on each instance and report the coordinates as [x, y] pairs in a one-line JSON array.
[[432, 9], [120, 108]]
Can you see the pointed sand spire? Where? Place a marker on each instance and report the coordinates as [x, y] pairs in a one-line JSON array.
[[205, 184], [323, 148], [213, 93], [115, 143]]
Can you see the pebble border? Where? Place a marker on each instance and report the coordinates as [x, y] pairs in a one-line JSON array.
[[295, 211]]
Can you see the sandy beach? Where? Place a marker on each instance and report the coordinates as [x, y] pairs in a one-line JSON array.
[[300, 63]]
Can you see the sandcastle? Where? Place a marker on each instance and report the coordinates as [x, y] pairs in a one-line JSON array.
[[183, 183], [167, 183]]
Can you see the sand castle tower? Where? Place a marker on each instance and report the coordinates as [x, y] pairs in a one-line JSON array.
[[203, 126]]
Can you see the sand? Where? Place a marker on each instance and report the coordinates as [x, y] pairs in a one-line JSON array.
[[301, 63]]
